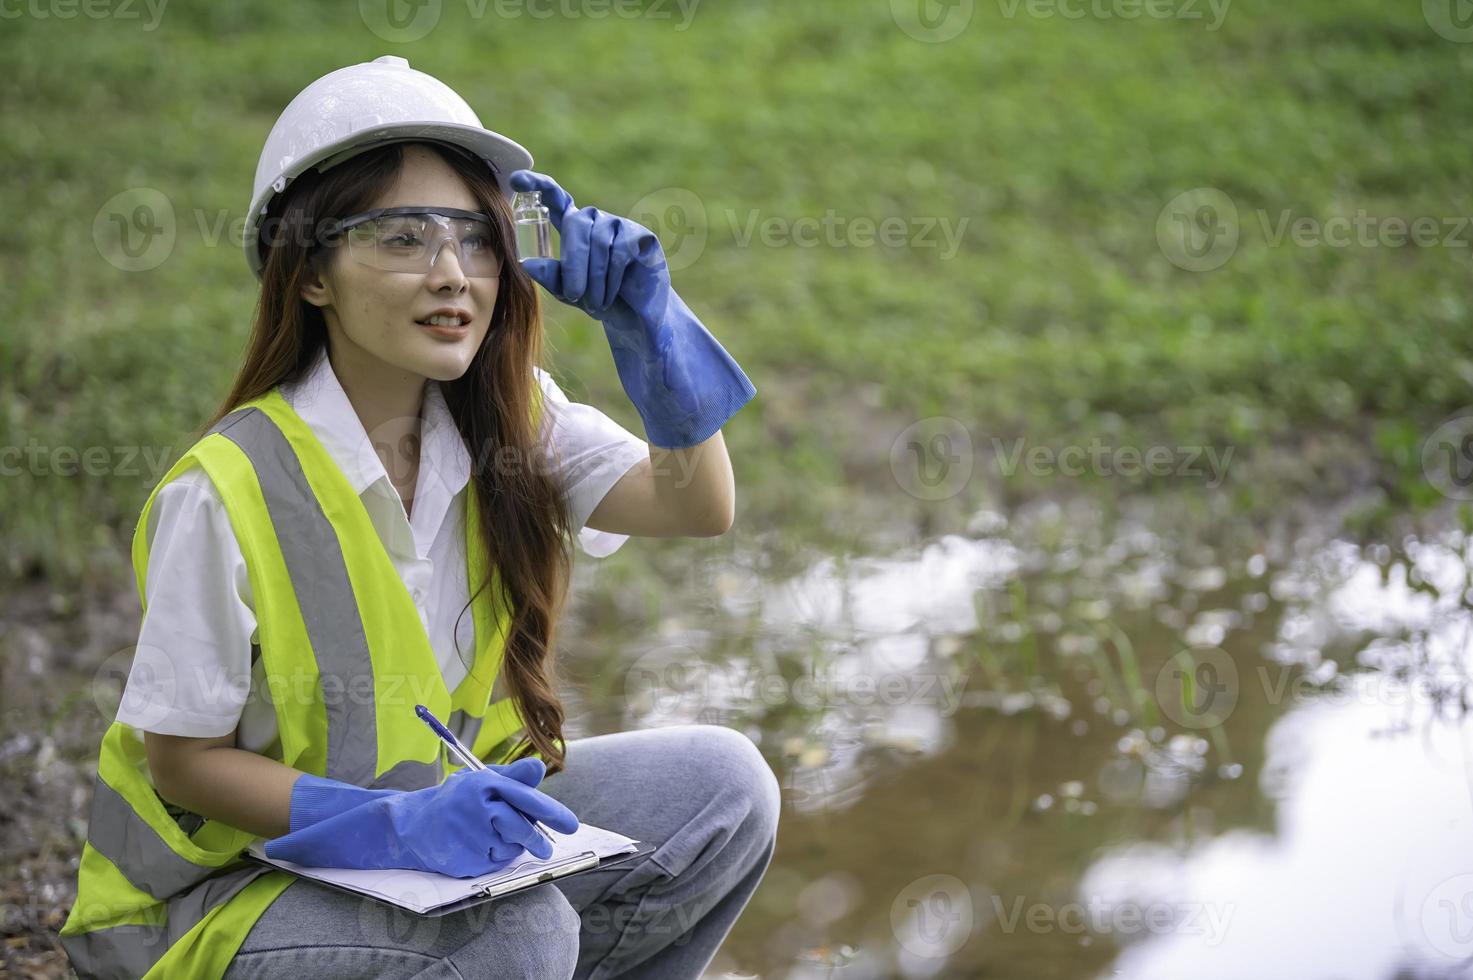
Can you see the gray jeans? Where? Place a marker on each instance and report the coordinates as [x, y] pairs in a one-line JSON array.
[[702, 793]]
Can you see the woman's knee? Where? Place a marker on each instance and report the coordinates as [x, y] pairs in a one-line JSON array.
[[742, 770]]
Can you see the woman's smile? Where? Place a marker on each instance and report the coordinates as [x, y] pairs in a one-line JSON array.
[[445, 332]]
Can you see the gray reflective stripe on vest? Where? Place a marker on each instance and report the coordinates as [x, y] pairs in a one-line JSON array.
[[319, 576], [186, 910], [118, 833], [119, 953], [128, 952], [411, 774], [466, 727]]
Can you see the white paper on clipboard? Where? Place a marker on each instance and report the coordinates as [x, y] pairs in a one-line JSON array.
[[428, 893]]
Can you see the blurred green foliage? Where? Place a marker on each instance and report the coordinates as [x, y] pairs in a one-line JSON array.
[[1058, 318]]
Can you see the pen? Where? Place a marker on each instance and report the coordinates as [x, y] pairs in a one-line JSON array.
[[465, 756]]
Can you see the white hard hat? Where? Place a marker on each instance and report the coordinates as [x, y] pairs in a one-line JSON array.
[[360, 107]]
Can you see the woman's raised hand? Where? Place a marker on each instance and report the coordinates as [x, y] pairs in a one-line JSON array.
[[603, 256]]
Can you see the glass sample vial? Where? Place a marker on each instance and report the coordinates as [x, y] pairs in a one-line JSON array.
[[534, 228]]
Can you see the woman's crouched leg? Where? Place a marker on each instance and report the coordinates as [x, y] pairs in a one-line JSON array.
[[708, 800], [312, 931]]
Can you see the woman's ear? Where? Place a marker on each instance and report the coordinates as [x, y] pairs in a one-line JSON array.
[[315, 287]]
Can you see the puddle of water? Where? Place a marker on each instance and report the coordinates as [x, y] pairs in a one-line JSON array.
[[1061, 745], [1367, 872]]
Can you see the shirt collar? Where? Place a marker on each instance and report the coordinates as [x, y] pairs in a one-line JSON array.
[[321, 402]]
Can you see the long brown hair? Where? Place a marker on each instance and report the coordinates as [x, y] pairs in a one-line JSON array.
[[522, 511]]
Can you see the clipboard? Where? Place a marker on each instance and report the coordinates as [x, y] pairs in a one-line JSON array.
[[432, 895], [586, 862]]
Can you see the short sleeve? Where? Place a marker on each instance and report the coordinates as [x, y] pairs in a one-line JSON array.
[[592, 453], [191, 671]]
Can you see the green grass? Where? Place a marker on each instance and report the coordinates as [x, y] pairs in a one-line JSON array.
[[1058, 318]]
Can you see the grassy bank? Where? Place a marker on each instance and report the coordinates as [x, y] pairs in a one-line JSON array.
[[1050, 146]]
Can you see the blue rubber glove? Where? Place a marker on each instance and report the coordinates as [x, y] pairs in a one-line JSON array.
[[315, 798], [681, 381], [475, 822]]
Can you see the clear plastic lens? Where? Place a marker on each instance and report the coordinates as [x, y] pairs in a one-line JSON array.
[[534, 228], [413, 242]]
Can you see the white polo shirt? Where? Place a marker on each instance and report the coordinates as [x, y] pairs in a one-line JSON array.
[[192, 673]]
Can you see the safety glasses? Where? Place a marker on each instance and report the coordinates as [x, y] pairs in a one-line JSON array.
[[411, 239]]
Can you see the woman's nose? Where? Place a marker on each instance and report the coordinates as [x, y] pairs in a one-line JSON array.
[[446, 264]]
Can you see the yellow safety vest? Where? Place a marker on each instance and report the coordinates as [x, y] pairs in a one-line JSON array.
[[346, 658]]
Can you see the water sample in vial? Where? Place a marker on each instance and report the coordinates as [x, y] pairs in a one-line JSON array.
[[534, 227]]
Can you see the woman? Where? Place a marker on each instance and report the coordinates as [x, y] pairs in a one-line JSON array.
[[390, 457]]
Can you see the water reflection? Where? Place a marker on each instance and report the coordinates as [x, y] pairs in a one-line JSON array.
[[1368, 872], [1068, 723]]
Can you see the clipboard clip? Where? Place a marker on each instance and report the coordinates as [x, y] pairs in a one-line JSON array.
[[567, 866]]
